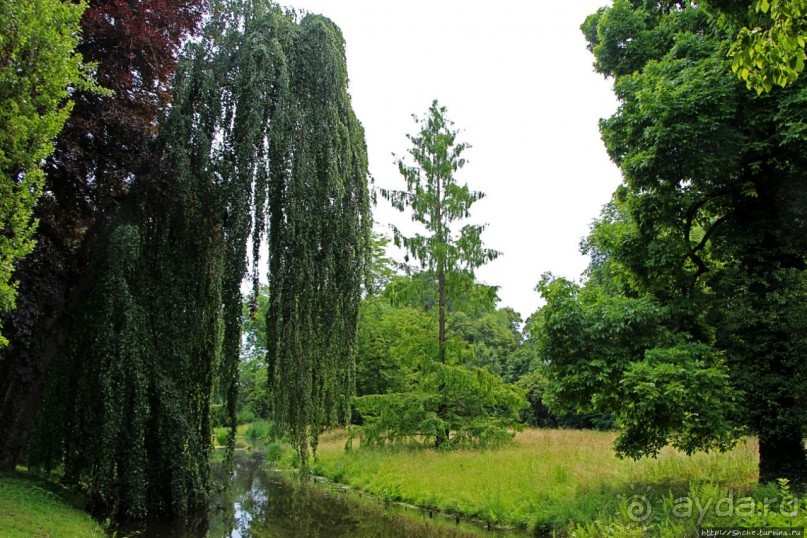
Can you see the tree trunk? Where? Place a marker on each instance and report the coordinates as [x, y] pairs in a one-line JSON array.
[[782, 456], [442, 437], [441, 297], [37, 330], [23, 399], [441, 272]]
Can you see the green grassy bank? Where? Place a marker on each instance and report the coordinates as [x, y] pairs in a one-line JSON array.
[[30, 507], [563, 481]]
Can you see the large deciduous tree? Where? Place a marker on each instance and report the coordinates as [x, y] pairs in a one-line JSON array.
[[104, 145], [260, 129], [39, 70], [692, 325]]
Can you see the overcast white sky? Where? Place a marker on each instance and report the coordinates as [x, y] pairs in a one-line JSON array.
[[518, 81]]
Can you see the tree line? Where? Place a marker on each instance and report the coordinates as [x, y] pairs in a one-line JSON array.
[[128, 315]]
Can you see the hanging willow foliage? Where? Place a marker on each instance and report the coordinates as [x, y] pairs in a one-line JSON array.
[[319, 237], [260, 130]]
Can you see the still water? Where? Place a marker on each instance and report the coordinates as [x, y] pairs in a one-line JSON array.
[[261, 503]]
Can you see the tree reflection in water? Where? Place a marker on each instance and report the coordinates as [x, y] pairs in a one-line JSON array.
[[261, 504]]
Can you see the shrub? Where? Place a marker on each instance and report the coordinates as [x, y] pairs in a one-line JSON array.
[[274, 452], [245, 416], [258, 431], [450, 406], [221, 434]]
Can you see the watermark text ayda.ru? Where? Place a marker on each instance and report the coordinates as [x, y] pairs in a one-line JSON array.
[[640, 509]]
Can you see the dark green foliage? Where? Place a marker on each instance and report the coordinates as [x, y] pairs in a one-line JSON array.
[[135, 424], [162, 324], [103, 150], [137, 431], [690, 327], [538, 414], [612, 354], [319, 234], [526, 369]]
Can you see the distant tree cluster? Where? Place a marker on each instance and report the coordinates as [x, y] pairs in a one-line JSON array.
[[406, 395]]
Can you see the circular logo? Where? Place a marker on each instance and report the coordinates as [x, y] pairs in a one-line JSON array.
[[639, 509]]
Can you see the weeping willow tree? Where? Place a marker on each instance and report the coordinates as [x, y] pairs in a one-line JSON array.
[[260, 140], [319, 237]]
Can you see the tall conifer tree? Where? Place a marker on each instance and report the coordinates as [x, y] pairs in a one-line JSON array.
[[437, 201]]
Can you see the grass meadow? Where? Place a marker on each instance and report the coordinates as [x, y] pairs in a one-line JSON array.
[[30, 507], [563, 482]]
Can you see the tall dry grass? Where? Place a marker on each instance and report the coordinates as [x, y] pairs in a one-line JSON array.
[[545, 478]]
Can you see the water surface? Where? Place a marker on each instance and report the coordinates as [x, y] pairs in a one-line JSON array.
[[261, 503]]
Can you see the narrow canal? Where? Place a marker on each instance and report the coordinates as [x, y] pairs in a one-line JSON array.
[[261, 503]]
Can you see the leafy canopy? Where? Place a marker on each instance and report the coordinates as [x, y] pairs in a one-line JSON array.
[[104, 149], [260, 130], [689, 327], [39, 72], [771, 50]]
